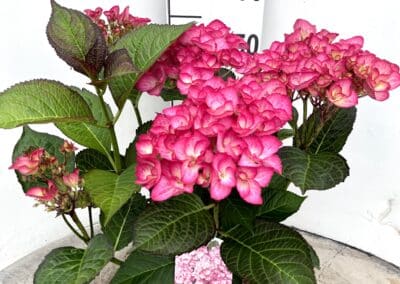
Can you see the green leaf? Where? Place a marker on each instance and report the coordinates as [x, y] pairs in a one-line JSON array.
[[144, 46], [285, 133], [278, 182], [86, 134], [234, 210], [306, 133], [169, 95], [76, 40], [278, 204], [295, 118], [313, 171], [335, 131], [130, 153], [41, 101], [142, 268], [119, 228], [71, 265], [31, 139], [121, 74], [110, 191], [225, 73], [236, 279], [177, 225], [89, 159], [314, 258], [273, 254]]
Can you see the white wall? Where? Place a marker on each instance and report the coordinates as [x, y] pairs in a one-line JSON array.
[[364, 211]]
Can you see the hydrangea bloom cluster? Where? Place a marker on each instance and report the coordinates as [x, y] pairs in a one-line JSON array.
[[57, 188], [313, 63], [202, 266], [118, 23], [221, 136]]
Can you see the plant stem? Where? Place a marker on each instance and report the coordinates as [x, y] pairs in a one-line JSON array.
[[114, 142], [91, 222], [73, 229], [78, 223], [116, 116], [116, 261], [304, 136], [137, 113], [304, 111], [216, 216]]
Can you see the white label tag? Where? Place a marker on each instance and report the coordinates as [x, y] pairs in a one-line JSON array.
[[244, 17]]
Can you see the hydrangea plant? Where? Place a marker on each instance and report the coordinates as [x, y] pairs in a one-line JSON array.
[[213, 162]]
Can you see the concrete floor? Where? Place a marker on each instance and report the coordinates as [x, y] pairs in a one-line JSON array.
[[340, 264]]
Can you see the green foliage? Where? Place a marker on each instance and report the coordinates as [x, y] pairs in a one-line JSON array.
[[234, 210], [86, 134], [285, 134], [144, 46], [172, 227], [119, 228], [76, 40], [71, 265], [169, 95], [89, 159], [326, 131], [110, 191], [41, 101], [313, 171], [143, 268], [334, 133], [272, 253], [31, 139], [278, 204], [226, 73]]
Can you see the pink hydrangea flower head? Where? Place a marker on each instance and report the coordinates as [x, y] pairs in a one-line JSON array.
[[250, 182], [112, 14], [68, 147], [179, 117], [342, 94], [171, 182], [72, 179], [301, 80], [28, 163], [204, 177], [165, 146], [43, 193], [191, 150], [148, 172], [222, 102], [94, 14], [152, 81], [203, 265], [145, 146], [223, 176], [305, 28], [261, 152], [230, 143], [190, 75]]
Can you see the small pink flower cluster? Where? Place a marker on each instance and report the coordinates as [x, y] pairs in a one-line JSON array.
[[117, 23], [39, 166], [221, 135], [202, 266], [338, 71]]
